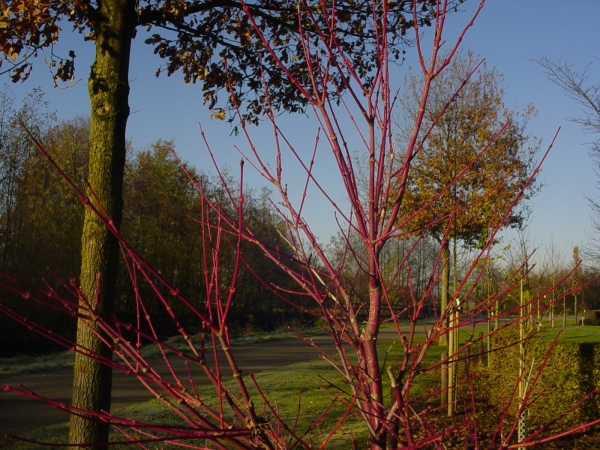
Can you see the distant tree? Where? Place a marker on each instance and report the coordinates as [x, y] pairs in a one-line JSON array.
[[16, 158], [160, 220], [577, 86], [476, 159], [590, 293], [552, 269], [41, 220], [159, 205], [418, 253], [54, 212], [213, 43], [51, 213], [40, 216]]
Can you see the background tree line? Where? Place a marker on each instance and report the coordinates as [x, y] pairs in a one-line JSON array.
[[41, 221], [540, 282]]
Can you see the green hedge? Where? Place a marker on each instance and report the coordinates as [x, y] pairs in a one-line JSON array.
[[570, 373]]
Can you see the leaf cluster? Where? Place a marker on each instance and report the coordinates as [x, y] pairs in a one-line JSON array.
[[476, 159], [213, 42]]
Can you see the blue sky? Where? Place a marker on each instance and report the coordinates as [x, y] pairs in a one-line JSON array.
[[508, 34]]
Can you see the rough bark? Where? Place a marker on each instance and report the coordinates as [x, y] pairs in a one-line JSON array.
[[109, 89]]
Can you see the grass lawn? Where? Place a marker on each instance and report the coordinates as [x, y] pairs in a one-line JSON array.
[[303, 385], [573, 334]]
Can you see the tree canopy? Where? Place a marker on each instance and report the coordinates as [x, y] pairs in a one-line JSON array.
[[211, 42], [475, 161], [473, 165]]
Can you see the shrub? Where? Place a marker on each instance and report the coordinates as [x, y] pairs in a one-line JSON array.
[[569, 374]]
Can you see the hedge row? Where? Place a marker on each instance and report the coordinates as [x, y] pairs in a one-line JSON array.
[[570, 372]]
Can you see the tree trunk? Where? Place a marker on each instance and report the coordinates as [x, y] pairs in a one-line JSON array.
[[373, 373], [108, 85], [444, 287]]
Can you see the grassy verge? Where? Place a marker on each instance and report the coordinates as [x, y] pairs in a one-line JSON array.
[[301, 390], [304, 386], [298, 385], [573, 334]]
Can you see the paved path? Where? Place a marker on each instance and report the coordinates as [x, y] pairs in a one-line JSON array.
[[19, 413]]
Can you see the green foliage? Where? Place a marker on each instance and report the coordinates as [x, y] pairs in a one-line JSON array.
[[475, 161], [41, 221], [570, 373], [40, 216]]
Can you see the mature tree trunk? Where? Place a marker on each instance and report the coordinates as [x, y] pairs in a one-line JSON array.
[[109, 90]]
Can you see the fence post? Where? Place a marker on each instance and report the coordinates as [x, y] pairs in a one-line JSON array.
[[481, 348], [467, 359], [444, 389]]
